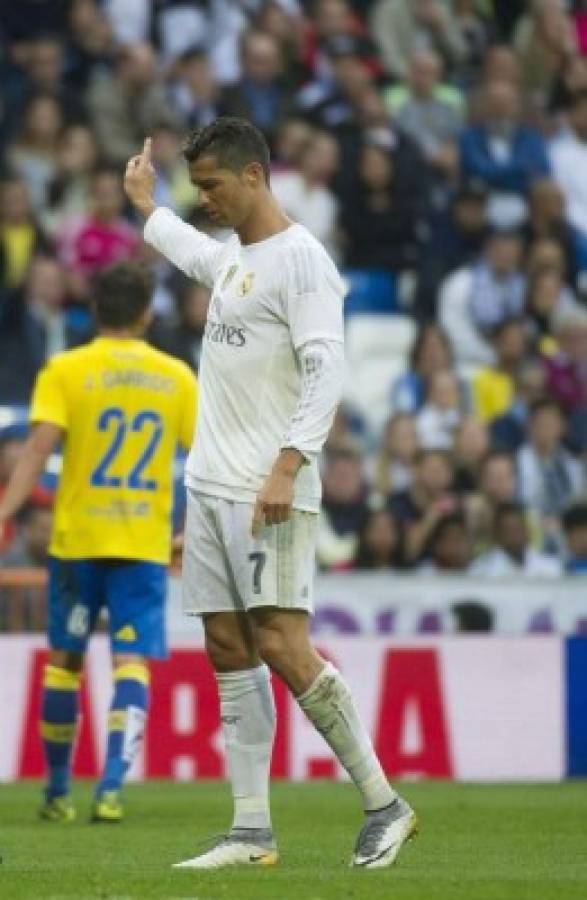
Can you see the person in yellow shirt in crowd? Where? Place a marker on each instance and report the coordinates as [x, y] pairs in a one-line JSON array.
[[493, 387], [119, 408]]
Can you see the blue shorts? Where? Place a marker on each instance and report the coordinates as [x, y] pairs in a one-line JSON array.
[[132, 592]]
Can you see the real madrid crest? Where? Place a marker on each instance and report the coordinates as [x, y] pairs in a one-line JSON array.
[[246, 284]]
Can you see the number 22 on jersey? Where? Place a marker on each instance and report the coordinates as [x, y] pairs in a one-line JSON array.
[[113, 421]]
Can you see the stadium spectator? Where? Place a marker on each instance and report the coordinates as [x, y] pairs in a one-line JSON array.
[[506, 155], [33, 153], [430, 353], [182, 337], [29, 550], [550, 477], [69, 191], [127, 102], [546, 253], [103, 237], [548, 298], [497, 486], [493, 387], [477, 298], [282, 20], [425, 501], [508, 431], [575, 530], [568, 153], [566, 370], [379, 543], [380, 224], [91, 42], [304, 193], [193, 91], [393, 468], [545, 39], [455, 240], [291, 139], [500, 64], [20, 234], [24, 22], [42, 70], [471, 445], [428, 110], [344, 504], [547, 220], [34, 326], [448, 550], [263, 94], [571, 79], [478, 31], [439, 418], [512, 553], [336, 28], [497, 479], [400, 26], [174, 188]]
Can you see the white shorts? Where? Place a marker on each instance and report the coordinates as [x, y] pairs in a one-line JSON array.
[[226, 569]]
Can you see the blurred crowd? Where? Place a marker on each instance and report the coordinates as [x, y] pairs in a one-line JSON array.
[[438, 150]]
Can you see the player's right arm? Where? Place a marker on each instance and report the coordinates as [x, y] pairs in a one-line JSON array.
[[190, 250], [40, 444], [50, 421]]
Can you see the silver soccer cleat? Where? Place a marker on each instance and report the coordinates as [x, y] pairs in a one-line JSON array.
[[243, 846], [384, 834]]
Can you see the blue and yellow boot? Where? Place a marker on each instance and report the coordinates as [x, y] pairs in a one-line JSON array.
[[58, 809], [108, 808]]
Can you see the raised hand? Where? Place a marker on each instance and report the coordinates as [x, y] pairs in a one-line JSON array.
[[139, 180]]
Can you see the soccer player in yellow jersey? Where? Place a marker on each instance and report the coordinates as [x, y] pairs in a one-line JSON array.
[[120, 408]]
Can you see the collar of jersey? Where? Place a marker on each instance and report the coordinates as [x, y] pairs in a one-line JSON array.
[[104, 339]]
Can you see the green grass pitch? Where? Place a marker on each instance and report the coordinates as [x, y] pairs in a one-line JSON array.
[[490, 842]]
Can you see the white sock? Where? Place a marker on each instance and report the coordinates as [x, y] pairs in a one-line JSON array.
[[329, 705], [247, 711]]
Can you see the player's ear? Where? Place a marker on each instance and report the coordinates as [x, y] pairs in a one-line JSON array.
[[145, 321], [254, 175]]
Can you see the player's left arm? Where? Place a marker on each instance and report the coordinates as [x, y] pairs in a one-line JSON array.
[[313, 305], [40, 444]]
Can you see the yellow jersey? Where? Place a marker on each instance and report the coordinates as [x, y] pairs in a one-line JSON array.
[[493, 393], [124, 408]]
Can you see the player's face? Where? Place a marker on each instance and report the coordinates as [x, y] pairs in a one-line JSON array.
[[226, 196]]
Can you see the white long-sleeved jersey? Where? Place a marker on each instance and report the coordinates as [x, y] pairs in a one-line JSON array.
[[272, 363]]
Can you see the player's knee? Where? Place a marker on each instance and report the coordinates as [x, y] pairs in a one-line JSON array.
[[272, 646], [227, 654]]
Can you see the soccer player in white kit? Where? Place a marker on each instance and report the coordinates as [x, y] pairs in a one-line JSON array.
[[270, 380]]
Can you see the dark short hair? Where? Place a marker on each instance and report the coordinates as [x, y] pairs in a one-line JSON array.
[[494, 454], [509, 509], [425, 453], [472, 615], [235, 143], [121, 294], [575, 517], [444, 524], [508, 322], [424, 330], [545, 404]]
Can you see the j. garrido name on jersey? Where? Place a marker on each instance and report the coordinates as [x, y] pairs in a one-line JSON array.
[[221, 333]]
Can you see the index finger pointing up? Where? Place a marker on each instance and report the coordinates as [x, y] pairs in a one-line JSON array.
[[147, 150]]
